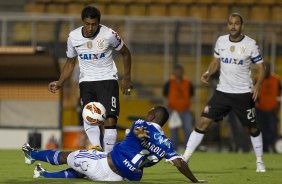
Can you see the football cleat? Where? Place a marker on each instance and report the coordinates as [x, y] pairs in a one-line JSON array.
[[27, 154], [96, 147], [38, 171], [260, 167]]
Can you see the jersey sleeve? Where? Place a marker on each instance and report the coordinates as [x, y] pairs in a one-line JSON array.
[[71, 52], [216, 49], [115, 40], [171, 154], [255, 55]]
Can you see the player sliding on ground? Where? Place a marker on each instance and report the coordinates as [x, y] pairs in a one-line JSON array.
[[144, 146]]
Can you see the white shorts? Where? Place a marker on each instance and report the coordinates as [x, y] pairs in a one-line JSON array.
[[93, 164]]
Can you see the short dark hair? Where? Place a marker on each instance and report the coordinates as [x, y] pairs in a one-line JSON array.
[[235, 14], [161, 115], [91, 12]]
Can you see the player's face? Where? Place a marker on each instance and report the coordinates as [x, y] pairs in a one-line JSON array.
[[234, 26], [90, 27]]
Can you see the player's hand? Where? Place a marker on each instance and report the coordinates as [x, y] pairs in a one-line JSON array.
[[54, 86], [126, 86], [205, 77], [141, 132], [202, 181]]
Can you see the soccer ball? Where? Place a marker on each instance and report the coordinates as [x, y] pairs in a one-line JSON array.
[[94, 113]]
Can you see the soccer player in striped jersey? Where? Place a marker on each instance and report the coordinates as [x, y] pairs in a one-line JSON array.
[[144, 146], [93, 45], [234, 54]]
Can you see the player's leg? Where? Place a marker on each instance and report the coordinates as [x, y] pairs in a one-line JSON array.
[[215, 110], [54, 157], [87, 94], [196, 137], [244, 107], [67, 173], [92, 164], [108, 95]]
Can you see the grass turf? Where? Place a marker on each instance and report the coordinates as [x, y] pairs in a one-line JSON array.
[[217, 168]]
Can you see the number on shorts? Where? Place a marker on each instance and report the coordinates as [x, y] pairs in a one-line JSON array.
[[114, 102], [251, 113]]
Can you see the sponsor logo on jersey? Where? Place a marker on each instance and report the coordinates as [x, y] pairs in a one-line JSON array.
[[232, 61], [89, 57], [89, 44], [129, 165]]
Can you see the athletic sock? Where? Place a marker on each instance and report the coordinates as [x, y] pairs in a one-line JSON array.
[[110, 138], [68, 173], [93, 134], [258, 146], [194, 140], [50, 156]]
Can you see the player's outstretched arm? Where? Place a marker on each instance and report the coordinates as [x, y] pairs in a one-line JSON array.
[[66, 73], [182, 166]]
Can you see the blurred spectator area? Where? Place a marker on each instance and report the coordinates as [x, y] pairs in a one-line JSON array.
[[255, 10]]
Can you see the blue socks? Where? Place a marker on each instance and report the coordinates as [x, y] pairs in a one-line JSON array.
[[68, 173], [50, 156]]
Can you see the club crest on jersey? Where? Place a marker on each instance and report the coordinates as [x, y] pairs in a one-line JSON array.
[[100, 44], [241, 50], [89, 44], [232, 48]]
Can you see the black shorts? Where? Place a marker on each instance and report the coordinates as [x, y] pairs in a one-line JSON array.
[[241, 104], [106, 92]]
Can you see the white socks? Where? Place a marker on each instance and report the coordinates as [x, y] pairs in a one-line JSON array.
[[93, 134], [110, 138], [194, 140], [257, 145]]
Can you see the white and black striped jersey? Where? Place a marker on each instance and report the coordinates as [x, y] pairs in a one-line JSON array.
[[95, 54], [235, 63]]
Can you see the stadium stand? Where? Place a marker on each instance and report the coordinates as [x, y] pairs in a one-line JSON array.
[[135, 9]]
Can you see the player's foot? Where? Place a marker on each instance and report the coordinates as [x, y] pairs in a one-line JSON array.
[[260, 167], [96, 147], [27, 151], [38, 171]]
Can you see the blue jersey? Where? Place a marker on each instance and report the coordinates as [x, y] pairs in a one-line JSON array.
[[132, 154]]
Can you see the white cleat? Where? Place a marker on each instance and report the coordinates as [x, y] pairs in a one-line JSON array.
[[26, 148], [38, 171], [260, 167]]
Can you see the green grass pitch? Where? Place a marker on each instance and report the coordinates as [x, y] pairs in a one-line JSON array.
[[217, 168]]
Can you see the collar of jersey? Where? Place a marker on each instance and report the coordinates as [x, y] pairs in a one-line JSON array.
[[158, 127], [236, 41]]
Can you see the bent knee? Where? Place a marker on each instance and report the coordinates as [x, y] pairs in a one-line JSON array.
[[203, 124]]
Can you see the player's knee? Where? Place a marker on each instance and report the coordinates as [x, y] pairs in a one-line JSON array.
[[254, 132], [111, 121], [203, 124], [63, 157]]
